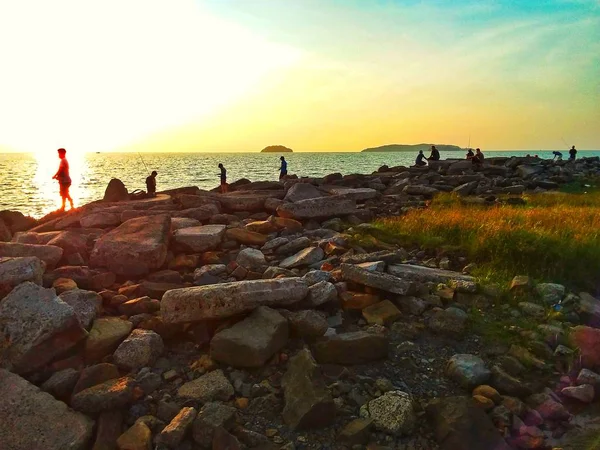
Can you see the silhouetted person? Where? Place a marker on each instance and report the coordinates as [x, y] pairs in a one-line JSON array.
[[572, 154], [420, 161], [470, 154], [557, 156], [435, 154], [478, 158], [283, 168], [223, 178], [151, 184], [64, 179]]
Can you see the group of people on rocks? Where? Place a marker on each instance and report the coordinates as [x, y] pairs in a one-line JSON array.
[[476, 158], [558, 156]]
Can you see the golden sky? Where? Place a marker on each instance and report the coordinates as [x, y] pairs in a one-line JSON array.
[[328, 75]]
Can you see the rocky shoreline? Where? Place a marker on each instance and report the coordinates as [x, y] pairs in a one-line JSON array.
[[252, 320]]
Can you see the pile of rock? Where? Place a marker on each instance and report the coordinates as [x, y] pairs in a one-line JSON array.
[[248, 320]]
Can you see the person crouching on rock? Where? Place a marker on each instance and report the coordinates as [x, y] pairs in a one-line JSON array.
[[223, 178], [64, 179], [470, 154], [420, 161], [151, 184]]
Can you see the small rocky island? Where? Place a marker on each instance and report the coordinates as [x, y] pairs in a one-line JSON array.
[[276, 149], [412, 148]]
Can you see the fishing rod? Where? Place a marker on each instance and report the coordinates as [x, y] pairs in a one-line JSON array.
[[142, 159]]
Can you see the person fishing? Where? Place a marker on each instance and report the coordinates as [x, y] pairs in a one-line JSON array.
[[63, 178], [283, 168], [420, 161], [572, 154], [557, 156], [435, 154], [223, 178], [151, 184]]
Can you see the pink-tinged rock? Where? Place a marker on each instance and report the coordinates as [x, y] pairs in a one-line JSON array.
[[14, 271], [587, 340], [135, 248], [199, 239], [50, 254], [35, 327], [321, 207], [584, 393]]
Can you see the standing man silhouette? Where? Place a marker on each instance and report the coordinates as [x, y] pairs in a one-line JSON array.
[[283, 168], [223, 178], [64, 179], [151, 184]]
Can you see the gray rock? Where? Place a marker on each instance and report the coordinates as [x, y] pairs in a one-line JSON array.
[[14, 271], [423, 274], [251, 259], [417, 189], [35, 326], [321, 293], [586, 376], [392, 413], [61, 384], [584, 392], [273, 244], [466, 188], [86, 304], [253, 341], [450, 321], [308, 403], [100, 220], [315, 276], [211, 417], [548, 406], [308, 323], [551, 293], [199, 239], [228, 299], [32, 419], [50, 254], [588, 308], [323, 207], [301, 191], [376, 280], [357, 194], [142, 348], [209, 387], [293, 246], [135, 248], [200, 213], [351, 348], [532, 309], [469, 371], [111, 394], [306, 257], [507, 384]]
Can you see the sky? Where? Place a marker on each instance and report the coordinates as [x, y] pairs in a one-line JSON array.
[[314, 75]]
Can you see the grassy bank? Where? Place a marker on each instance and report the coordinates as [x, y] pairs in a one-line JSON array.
[[555, 237]]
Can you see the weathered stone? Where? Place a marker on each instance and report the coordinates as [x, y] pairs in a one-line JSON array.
[[293, 246], [61, 384], [251, 259], [467, 370], [586, 376], [253, 341], [209, 387], [246, 237], [357, 300], [450, 321], [85, 277], [392, 413], [35, 327], [376, 280], [140, 305], [32, 419], [135, 248], [137, 437], [417, 189], [50, 254], [588, 309], [111, 394], [548, 407], [315, 276], [584, 393], [356, 194], [71, 242], [551, 293], [86, 304], [532, 309], [314, 208], [357, 432], [100, 220], [105, 336], [301, 191], [115, 191], [248, 201], [61, 285], [412, 305], [306, 257], [488, 392], [507, 384], [307, 324], [14, 271], [459, 424], [96, 374], [351, 348], [382, 313], [228, 299], [173, 434], [177, 223], [423, 274], [199, 239], [308, 403], [587, 340], [521, 283], [224, 440], [283, 223], [142, 348], [109, 430], [321, 293], [200, 213], [211, 417]]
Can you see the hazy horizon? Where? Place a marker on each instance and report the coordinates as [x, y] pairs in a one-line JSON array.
[[213, 76]]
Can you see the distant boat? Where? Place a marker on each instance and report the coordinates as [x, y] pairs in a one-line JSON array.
[[97, 153]]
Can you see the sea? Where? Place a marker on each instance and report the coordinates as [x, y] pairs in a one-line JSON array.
[[26, 183]]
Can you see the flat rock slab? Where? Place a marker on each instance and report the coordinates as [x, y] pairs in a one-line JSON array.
[[248, 201], [50, 254], [302, 191], [86, 304], [351, 348], [32, 419], [253, 341], [111, 394], [306, 257], [105, 336], [323, 207], [209, 387], [135, 248], [357, 194], [424, 274], [228, 299], [383, 281], [199, 239], [14, 271], [35, 327]]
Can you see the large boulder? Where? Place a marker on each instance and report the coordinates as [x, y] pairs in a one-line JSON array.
[[115, 191], [469, 371], [50, 254], [32, 419], [14, 271], [377, 280], [301, 191], [357, 347], [308, 403], [199, 239], [393, 413], [100, 220], [253, 341], [587, 340], [135, 248], [228, 299], [35, 327], [253, 201], [201, 213], [423, 274], [357, 194], [314, 208]]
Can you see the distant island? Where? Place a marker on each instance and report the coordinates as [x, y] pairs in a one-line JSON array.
[[276, 149], [412, 148]]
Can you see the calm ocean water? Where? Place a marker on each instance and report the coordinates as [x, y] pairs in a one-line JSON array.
[[26, 183]]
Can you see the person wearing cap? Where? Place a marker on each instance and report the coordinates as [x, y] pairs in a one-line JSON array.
[[151, 184], [63, 178]]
